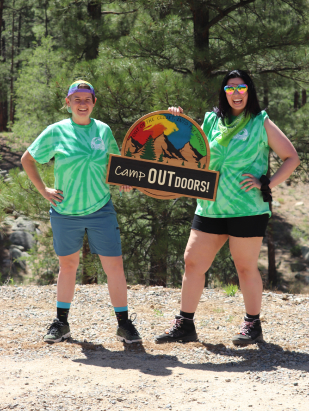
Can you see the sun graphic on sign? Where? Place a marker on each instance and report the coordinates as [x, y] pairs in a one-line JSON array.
[[167, 139]]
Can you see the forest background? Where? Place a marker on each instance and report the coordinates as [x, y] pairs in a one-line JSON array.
[[142, 56]]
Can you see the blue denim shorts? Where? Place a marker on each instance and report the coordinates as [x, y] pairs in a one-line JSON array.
[[101, 227]]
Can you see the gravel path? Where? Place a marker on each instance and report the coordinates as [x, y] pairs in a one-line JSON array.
[[93, 371]]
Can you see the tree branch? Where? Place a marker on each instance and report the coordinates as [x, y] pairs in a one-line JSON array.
[[122, 12], [226, 12]]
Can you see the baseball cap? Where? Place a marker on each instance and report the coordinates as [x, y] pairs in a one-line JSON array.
[[74, 87]]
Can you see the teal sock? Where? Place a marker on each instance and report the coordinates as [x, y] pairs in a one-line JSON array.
[[121, 314]]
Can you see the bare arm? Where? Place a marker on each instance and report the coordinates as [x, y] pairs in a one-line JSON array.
[[282, 146], [30, 168]]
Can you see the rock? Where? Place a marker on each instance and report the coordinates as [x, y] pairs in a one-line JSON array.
[[8, 221], [299, 203], [22, 238], [305, 253], [276, 204], [16, 255], [301, 277], [20, 247], [24, 224], [298, 267]]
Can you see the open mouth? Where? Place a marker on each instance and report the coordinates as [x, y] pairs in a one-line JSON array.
[[237, 101]]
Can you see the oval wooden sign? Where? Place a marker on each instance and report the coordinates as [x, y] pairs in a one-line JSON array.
[[167, 139]]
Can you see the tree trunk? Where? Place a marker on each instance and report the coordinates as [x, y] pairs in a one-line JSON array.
[[46, 19], [12, 67], [86, 278], [296, 98], [158, 251], [201, 35], [94, 9], [3, 90], [272, 271], [1, 14], [303, 97]]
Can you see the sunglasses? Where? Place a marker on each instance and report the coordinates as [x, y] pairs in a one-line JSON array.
[[241, 88]]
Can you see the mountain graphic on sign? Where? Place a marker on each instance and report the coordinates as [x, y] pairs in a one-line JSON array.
[[160, 139]]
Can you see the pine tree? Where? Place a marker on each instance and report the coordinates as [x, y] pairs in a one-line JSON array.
[[148, 151], [161, 158], [128, 153]]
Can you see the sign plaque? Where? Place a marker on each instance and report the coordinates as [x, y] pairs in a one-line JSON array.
[[165, 156]]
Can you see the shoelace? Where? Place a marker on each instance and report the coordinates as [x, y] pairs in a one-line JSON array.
[[176, 323], [54, 327], [130, 326], [246, 326]]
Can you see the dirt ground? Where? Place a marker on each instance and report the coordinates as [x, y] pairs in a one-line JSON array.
[[93, 371]]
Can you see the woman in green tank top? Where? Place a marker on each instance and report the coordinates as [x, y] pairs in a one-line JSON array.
[[240, 135]]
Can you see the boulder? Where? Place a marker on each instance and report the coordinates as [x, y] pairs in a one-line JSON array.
[[303, 278], [16, 255], [24, 224], [298, 267], [305, 253], [22, 238]]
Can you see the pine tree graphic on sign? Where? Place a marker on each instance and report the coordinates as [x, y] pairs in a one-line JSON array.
[[161, 158], [128, 153], [148, 152]]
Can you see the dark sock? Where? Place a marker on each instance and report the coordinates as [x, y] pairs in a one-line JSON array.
[[62, 314], [122, 317], [187, 315], [252, 317]]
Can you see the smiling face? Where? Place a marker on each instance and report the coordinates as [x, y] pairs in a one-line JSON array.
[[81, 104], [236, 100]]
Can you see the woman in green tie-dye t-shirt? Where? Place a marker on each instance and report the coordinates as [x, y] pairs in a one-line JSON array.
[[80, 202], [240, 135]]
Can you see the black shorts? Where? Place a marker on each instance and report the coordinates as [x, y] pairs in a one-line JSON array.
[[250, 226]]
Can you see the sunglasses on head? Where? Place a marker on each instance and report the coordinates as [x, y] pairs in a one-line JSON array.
[[241, 88]]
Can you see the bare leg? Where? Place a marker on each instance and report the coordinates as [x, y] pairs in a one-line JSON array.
[[117, 285], [245, 252], [199, 255], [66, 277]]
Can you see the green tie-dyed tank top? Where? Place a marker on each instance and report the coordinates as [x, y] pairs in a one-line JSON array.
[[247, 152]]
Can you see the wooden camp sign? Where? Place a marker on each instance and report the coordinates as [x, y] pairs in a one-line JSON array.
[[165, 156]]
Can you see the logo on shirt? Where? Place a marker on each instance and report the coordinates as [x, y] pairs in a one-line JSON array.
[[97, 144], [242, 135]]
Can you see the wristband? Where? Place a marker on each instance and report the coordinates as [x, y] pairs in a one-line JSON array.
[[266, 191]]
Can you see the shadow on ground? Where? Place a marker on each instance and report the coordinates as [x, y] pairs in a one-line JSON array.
[[267, 358]]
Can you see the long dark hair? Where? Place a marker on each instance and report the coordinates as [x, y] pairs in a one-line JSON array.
[[252, 107]]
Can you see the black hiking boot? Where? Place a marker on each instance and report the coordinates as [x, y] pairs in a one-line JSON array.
[[183, 329], [250, 333]]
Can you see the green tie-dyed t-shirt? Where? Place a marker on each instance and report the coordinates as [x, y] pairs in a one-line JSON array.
[[247, 152], [81, 157]]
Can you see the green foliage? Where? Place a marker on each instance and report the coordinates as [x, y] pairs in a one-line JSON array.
[[158, 313], [154, 234], [230, 290], [40, 91], [42, 259], [140, 57], [223, 270], [92, 267], [20, 194], [296, 251]]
